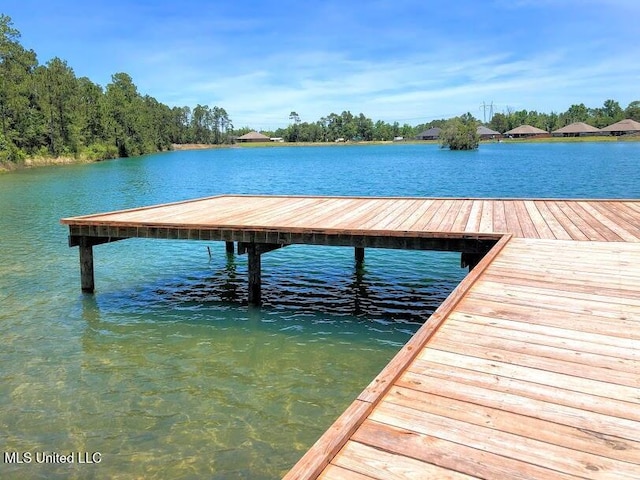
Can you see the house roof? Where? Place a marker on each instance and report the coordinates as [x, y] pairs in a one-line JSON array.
[[525, 130], [482, 130], [577, 127], [432, 132], [254, 136], [627, 125]]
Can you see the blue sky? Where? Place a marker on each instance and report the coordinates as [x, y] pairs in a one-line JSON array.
[[402, 60]]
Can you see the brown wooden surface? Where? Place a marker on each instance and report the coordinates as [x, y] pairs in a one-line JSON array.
[[598, 220], [534, 373], [530, 369]]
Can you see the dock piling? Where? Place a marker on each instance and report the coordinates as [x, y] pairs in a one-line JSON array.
[[255, 280], [87, 281]]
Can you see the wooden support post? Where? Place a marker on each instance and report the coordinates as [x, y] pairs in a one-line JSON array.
[[359, 254], [470, 259], [255, 281], [86, 265], [229, 248]]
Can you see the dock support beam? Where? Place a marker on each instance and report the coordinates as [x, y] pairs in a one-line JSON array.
[[255, 275], [470, 259], [359, 254], [85, 246], [253, 251], [87, 281], [229, 248]]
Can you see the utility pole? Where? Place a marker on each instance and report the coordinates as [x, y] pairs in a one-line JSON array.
[[484, 107]]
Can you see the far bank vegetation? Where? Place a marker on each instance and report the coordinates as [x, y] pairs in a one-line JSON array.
[[46, 112]]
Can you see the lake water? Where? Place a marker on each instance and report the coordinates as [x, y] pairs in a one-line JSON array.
[[165, 371]]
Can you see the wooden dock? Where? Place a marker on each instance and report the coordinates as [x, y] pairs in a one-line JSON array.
[[529, 369]]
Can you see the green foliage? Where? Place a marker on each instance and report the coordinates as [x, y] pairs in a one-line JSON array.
[[460, 133], [99, 151], [633, 111], [611, 112], [45, 110]]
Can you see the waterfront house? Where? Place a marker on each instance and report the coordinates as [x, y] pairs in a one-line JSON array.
[[526, 131], [431, 134], [576, 129], [253, 137], [486, 133], [623, 127]]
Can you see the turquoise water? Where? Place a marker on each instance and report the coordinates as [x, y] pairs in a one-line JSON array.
[[165, 371]]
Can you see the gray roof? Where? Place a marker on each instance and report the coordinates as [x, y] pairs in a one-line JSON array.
[[627, 125], [525, 130], [482, 130], [432, 132], [577, 127]]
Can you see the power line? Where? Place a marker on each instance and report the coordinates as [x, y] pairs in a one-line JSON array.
[[484, 107]]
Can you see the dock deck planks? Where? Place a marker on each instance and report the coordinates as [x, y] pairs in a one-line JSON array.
[[525, 378], [529, 369]]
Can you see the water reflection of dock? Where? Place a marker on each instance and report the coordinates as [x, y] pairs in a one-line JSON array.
[[529, 369]]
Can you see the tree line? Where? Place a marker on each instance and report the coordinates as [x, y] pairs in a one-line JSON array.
[[45, 110], [348, 126], [599, 117]]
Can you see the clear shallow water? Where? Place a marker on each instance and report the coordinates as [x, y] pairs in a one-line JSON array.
[[165, 371]]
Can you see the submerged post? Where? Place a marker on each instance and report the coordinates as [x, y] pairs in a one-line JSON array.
[[470, 259], [87, 281], [255, 281], [359, 254]]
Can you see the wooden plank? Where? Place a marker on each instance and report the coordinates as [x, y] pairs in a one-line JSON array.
[[620, 214], [380, 212], [552, 222], [384, 465], [591, 302], [565, 222], [540, 223], [333, 472], [446, 225], [615, 227], [526, 450], [541, 357], [553, 403], [532, 373], [625, 331], [512, 218], [514, 423], [440, 214], [608, 285], [473, 222], [526, 223], [397, 215], [410, 221], [544, 335], [452, 455], [404, 217], [486, 218], [462, 216], [594, 221], [426, 217], [579, 221], [499, 217]]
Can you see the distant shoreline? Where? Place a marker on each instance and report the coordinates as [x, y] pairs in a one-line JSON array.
[[55, 161]]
